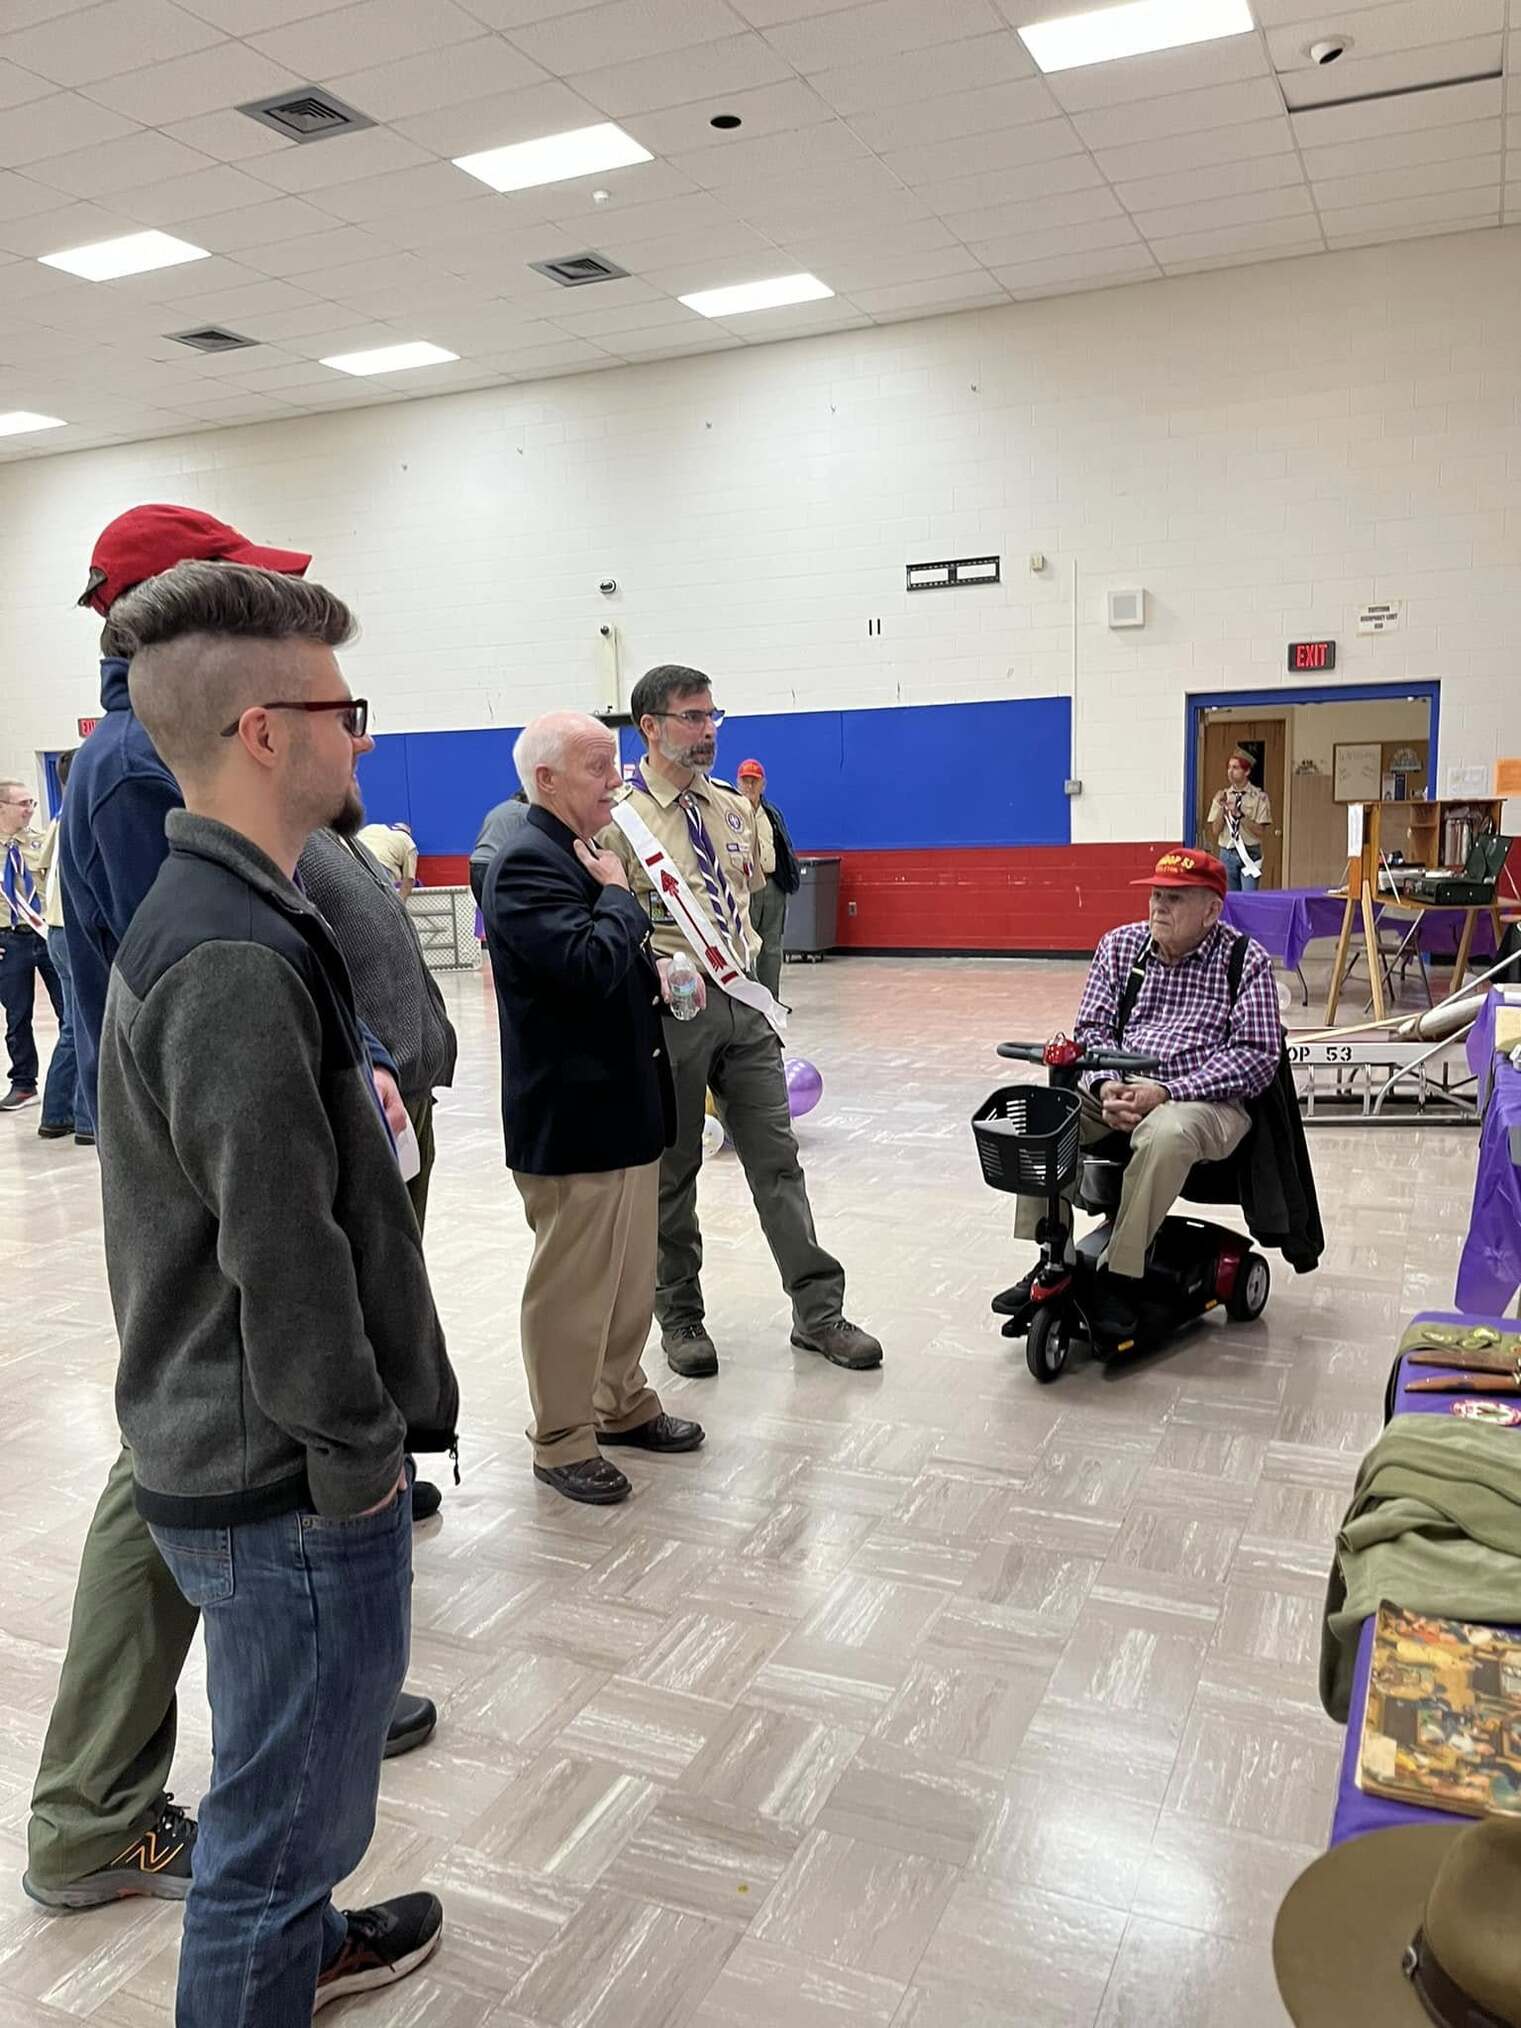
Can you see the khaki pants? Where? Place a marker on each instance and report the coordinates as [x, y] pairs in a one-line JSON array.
[[587, 1303], [768, 918], [1164, 1147]]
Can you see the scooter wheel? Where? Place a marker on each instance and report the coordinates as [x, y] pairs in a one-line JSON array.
[[1047, 1346], [1248, 1299]]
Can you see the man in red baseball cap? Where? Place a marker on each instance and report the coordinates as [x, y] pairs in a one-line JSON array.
[[1167, 988], [103, 1825]]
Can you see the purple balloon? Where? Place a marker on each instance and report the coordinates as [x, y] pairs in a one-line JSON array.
[[805, 1086]]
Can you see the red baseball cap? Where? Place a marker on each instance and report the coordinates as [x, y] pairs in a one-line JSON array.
[[750, 767], [1186, 869], [146, 540]]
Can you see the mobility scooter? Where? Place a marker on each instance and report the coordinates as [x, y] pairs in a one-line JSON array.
[[1028, 1142]]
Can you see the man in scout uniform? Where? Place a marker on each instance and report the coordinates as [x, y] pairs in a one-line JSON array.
[[1238, 816], [689, 846], [23, 941]]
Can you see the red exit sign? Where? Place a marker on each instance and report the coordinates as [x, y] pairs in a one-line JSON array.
[[1312, 655], [87, 726]]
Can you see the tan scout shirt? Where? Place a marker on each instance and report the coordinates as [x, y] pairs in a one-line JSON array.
[[730, 824], [47, 871], [396, 852], [1256, 813]]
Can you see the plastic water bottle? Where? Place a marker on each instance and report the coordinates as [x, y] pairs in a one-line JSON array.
[[683, 984]]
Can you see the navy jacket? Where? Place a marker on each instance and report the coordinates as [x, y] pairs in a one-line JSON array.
[[111, 845], [586, 1077]]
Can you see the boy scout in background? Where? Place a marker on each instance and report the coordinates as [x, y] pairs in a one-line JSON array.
[[1238, 816], [708, 831]]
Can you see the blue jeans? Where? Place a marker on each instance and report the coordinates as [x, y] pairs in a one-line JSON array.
[[63, 1096], [23, 954], [308, 1624], [1237, 879]]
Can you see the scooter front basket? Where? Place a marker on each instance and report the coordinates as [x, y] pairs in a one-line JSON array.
[[1027, 1139]]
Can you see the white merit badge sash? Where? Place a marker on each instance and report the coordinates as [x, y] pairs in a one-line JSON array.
[[1233, 835], [706, 946]]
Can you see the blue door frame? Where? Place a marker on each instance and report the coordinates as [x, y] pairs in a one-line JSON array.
[[1200, 701]]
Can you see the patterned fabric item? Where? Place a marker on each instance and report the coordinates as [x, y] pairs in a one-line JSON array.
[[1183, 1015], [23, 904], [720, 896]]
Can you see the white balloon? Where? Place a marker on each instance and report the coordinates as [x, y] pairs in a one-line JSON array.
[[712, 1135]]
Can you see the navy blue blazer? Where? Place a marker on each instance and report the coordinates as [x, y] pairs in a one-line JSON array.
[[586, 1076]]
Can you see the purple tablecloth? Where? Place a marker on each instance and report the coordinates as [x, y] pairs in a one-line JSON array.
[[1355, 1812], [1284, 919], [1489, 1267]]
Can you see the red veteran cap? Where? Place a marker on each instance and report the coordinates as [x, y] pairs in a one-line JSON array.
[[1186, 869], [146, 540]]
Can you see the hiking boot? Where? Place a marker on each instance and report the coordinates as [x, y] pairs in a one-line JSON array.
[[689, 1351], [842, 1344]]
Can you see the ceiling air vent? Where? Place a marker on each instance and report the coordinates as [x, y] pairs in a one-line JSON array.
[[211, 338], [309, 115], [576, 270]]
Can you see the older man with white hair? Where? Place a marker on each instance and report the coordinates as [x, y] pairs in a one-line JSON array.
[[588, 1109]]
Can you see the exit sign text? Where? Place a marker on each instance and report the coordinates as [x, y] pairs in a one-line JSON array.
[[1312, 655], [87, 726]]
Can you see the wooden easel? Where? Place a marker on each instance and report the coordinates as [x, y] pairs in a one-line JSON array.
[[1427, 823]]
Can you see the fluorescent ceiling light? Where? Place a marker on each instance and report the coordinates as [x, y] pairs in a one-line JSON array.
[[772, 295], [391, 359], [20, 420], [554, 158], [137, 254], [1131, 30]]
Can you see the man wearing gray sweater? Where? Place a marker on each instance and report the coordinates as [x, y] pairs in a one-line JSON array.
[[280, 1352]]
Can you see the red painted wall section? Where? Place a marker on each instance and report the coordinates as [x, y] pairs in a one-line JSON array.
[[1005, 898]]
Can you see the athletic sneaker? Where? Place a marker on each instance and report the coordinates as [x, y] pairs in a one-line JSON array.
[[18, 1096], [384, 1944], [157, 1863]]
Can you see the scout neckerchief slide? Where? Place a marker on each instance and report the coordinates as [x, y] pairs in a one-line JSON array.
[[1233, 838], [706, 944]]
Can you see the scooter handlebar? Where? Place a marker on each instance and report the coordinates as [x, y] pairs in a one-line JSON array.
[[1122, 1060]]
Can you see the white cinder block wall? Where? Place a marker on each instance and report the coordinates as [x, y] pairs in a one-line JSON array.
[[1262, 448]]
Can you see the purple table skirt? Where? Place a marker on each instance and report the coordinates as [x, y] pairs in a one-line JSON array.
[[1285, 919], [1355, 1812], [1489, 1267]]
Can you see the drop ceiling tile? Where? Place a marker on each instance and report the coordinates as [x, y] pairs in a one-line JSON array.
[[284, 219], [1412, 70], [732, 65], [173, 205], [1402, 211], [1449, 106], [957, 115], [622, 30], [798, 320], [884, 270], [80, 48], [1176, 153], [257, 296], [17, 85], [1195, 186], [227, 136], [330, 246], [969, 64], [384, 200], [746, 164], [340, 334], [960, 195], [382, 30], [599, 325], [1160, 73], [21, 197], [56, 125], [114, 166], [1405, 151], [206, 81], [1292, 201], [1383, 30], [1385, 235], [1469, 172], [66, 225], [833, 40], [549, 352], [1015, 248], [1280, 13], [399, 286], [950, 292], [734, 240], [771, 13], [697, 212], [1267, 233], [439, 77], [1183, 113], [683, 275], [251, 17], [770, 109], [1011, 148], [1112, 264], [1069, 207], [827, 243], [1252, 257], [782, 213], [370, 155], [573, 205], [498, 120]]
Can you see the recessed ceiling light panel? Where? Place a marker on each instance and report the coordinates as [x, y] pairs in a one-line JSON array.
[[554, 158], [1104, 33], [138, 253], [774, 294], [391, 359], [18, 421]]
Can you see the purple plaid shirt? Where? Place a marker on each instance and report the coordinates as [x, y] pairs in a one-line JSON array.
[[1208, 1049]]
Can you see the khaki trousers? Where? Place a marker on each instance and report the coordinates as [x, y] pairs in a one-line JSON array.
[[587, 1304], [1164, 1147]]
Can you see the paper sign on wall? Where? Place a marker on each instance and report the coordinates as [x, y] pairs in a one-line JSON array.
[[1354, 829], [1466, 781], [1508, 777], [1381, 618]]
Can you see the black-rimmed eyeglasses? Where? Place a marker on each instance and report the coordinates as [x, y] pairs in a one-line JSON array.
[[355, 710]]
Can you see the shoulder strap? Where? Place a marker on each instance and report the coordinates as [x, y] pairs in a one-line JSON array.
[[1130, 992], [1235, 965]]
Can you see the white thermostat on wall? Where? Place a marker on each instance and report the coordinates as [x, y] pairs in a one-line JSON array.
[[1127, 609]]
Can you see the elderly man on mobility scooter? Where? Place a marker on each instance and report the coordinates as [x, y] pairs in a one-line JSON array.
[[1166, 989]]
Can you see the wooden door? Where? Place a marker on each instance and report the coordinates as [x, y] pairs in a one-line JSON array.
[[1263, 738]]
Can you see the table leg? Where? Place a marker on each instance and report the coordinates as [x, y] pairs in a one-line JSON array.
[[1465, 947], [1304, 986], [1375, 955], [1339, 962]]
